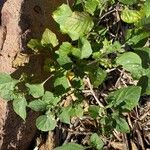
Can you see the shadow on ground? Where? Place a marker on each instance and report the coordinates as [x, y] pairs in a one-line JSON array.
[[35, 17]]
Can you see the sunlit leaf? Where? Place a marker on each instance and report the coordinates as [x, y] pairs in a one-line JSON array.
[[36, 90], [135, 37], [75, 24], [97, 76], [46, 123], [125, 98], [7, 85], [128, 2], [62, 13], [96, 141], [91, 5], [34, 44], [50, 98], [131, 16], [85, 47], [70, 146], [94, 111], [49, 38], [131, 62], [146, 8], [19, 106], [63, 53], [38, 105], [144, 82], [65, 115], [62, 81], [122, 125]]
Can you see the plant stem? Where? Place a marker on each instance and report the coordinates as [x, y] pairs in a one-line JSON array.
[[48, 79], [93, 93]]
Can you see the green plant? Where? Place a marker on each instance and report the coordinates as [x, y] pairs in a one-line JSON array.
[[82, 64]]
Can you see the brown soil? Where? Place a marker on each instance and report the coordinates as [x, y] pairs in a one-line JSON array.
[[20, 21]]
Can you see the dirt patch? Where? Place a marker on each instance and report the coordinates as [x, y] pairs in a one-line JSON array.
[[20, 21]]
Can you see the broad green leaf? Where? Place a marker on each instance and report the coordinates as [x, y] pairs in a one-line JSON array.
[[144, 53], [75, 111], [78, 111], [46, 123], [49, 38], [50, 99], [19, 106], [70, 146], [66, 49], [122, 125], [128, 2], [6, 94], [62, 13], [129, 57], [78, 25], [131, 16], [63, 52], [34, 44], [65, 115], [96, 141], [146, 8], [85, 47], [7, 85], [48, 96], [6, 81], [91, 5], [116, 47], [137, 36], [36, 90], [143, 22], [62, 81], [97, 55], [38, 105], [125, 98], [70, 111], [94, 111], [144, 82], [109, 47], [75, 24], [76, 52], [131, 62], [97, 76]]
